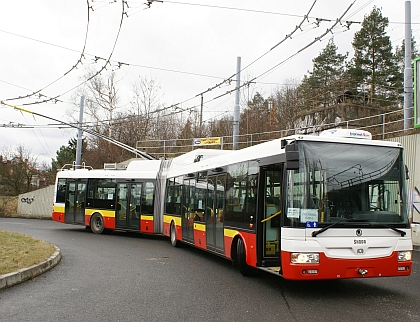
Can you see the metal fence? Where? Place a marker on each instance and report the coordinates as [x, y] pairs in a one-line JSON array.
[[382, 126]]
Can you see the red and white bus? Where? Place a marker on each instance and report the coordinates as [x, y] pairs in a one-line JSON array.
[[304, 207]]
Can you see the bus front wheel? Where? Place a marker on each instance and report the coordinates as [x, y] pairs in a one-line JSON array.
[[97, 224], [241, 258], [174, 241]]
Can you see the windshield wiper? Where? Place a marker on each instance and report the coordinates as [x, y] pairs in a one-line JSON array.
[[402, 232], [317, 232]]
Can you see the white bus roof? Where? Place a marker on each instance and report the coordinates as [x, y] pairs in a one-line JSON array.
[[267, 149], [142, 169]]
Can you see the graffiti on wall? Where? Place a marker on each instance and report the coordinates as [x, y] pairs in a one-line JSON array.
[[27, 200], [44, 201]]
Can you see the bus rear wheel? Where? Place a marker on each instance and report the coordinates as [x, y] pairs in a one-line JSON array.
[[97, 224], [174, 241], [241, 258]]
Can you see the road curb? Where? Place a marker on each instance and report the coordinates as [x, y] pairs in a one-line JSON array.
[[24, 274]]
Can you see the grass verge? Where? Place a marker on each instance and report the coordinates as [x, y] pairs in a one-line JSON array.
[[19, 251]]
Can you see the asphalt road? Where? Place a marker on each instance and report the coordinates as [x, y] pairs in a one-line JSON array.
[[129, 277]]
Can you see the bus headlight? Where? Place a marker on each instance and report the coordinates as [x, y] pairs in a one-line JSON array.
[[304, 258], [404, 256]]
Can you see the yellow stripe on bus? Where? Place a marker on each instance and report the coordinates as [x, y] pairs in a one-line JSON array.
[[168, 219], [230, 233], [58, 209], [104, 213], [146, 217], [201, 227]]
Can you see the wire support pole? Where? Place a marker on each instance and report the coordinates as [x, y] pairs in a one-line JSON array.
[[408, 71], [237, 108], [79, 134]]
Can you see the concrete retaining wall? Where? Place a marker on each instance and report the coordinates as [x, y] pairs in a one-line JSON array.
[[36, 204]]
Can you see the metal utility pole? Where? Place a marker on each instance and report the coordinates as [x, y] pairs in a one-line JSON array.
[[237, 108], [408, 71], [201, 115], [79, 135]]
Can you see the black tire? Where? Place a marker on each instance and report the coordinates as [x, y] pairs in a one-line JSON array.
[[172, 236], [241, 259], [97, 224]]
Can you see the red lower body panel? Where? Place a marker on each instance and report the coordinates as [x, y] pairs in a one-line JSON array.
[[146, 226], [166, 229], [109, 222], [200, 239], [58, 216], [334, 268]]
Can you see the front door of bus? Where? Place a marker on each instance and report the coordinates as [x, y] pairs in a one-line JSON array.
[[214, 212], [269, 243], [128, 205], [75, 202]]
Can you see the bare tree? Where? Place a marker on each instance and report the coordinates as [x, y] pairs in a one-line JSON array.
[[18, 171], [287, 105]]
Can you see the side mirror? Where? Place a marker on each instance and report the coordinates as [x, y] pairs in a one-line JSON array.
[[406, 173]]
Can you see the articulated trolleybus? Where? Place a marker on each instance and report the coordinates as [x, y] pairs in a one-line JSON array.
[[303, 207]]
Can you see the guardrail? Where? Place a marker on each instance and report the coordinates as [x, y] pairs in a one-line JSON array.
[[382, 126]]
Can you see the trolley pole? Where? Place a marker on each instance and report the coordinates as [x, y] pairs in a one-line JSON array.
[[237, 109], [79, 135], [408, 71]]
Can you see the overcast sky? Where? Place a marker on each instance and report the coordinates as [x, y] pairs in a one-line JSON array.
[[186, 47]]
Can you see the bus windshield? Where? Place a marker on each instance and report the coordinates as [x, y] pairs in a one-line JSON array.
[[337, 181]]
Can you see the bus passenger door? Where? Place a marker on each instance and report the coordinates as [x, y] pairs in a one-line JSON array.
[[214, 212], [128, 205], [187, 210], [269, 216], [75, 202]]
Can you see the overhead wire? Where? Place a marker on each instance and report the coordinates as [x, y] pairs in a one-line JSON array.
[[46, 147], [338, 20], [319, 38], [178, 109], [230, 79], [305, 17], [91, 132], [79, 61], [95, 74]]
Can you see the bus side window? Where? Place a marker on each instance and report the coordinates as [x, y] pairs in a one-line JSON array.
[[147, 198], [61, 190]]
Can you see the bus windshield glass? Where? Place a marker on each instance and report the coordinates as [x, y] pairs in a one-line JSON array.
[[346, 183]]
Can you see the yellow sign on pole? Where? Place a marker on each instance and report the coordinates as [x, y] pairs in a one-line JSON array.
[[206, 141]]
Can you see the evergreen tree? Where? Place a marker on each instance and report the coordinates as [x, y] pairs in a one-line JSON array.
[[67, 154], [324, 83], [373, 67]]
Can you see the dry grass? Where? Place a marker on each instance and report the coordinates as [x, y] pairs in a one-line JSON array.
[[8, 205], [19, 251]]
